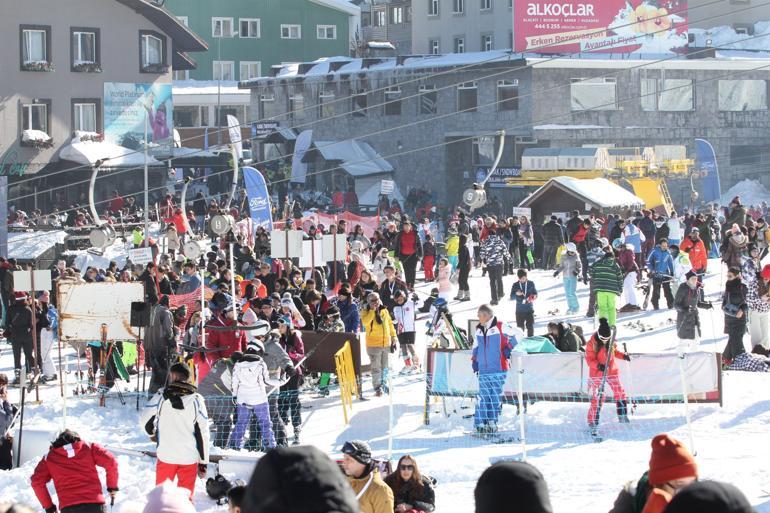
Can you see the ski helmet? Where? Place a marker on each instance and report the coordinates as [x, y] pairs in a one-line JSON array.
[[617, 243]]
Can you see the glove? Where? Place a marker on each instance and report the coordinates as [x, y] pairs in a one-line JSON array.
[[112, 492], [290, 371], [627, 357], [601, 367], [393, 347], [52, 509], [202, 470], [475, 366], [555, 274], [575, 273]]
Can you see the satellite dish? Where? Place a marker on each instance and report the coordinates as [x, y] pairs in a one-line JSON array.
[[221, 224], [191, 250], [102, 236]]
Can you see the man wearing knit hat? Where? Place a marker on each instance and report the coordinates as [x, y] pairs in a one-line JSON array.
[[710, 497], [672, 467], [374, 496], [508, 481]]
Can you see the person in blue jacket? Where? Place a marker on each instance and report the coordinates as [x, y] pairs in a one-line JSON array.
[[348, 310], [660, 265], [491, 351], [524, 293]]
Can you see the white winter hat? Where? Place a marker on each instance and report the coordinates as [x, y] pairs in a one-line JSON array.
[[169, 498], [570, 246]]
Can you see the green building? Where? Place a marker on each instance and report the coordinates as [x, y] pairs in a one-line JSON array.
[[247, 37]]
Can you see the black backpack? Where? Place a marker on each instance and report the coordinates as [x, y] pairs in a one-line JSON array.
[[217, 487]]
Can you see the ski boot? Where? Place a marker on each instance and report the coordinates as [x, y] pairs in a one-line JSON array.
[[622, 409], [296, 436], [16, 378]]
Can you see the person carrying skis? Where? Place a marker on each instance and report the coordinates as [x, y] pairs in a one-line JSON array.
[[71, 465], [177, 420], [660, 266], [687, 301], [601, 363], [607, 283], [571, 268], [489, 360]]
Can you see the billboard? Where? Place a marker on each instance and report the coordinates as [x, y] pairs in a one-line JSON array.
[[606, 26], [125, 107]]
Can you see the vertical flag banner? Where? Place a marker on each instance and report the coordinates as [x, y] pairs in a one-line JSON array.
[[259, 199], [234, 129], [299, 168], [706, 162]]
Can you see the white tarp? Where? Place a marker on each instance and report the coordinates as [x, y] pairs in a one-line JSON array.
[[84, 307], [649, 375], [89, 153]]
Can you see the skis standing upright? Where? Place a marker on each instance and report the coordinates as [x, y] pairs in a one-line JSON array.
[[603, 384]]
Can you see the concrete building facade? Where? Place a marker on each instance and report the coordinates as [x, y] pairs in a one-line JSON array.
[[388, 20]]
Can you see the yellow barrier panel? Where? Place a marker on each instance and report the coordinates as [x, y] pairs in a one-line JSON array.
[[343, 360]]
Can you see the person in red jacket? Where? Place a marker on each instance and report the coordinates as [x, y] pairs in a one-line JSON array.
[[696, 250], [596, 358], [227, 340], [71, 464]]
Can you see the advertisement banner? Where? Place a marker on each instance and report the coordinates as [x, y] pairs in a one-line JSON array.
[[706, 163], [127, 105], [299, 168], [259, 199], [234, 129], [609, 26]]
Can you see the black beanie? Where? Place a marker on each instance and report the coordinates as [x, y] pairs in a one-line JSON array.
[[181, 369], [709, 497], [298, 480], [604, 331], [512, 480]]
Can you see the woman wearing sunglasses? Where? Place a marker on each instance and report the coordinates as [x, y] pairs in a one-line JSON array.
[[412, 491]]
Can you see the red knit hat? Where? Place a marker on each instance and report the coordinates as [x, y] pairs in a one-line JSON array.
[[766, 272], [670, 460]]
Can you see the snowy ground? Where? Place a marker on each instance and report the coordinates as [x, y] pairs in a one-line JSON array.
[[582, 475]]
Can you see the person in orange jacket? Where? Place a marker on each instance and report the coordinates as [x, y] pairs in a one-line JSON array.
[[598, 362], [694, 247], [672, 467]]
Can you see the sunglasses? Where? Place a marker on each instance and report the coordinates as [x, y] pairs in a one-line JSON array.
[[349, 449], [406, 467]]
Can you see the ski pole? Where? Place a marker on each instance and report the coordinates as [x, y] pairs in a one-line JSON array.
[[112, 502], [630, 382]]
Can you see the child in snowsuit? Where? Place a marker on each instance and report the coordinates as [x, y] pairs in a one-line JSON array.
[[571, 267], [404, 314], [250, 379], [524, 293], [598, 363]]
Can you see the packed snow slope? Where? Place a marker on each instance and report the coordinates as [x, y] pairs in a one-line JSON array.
[[583, 476]]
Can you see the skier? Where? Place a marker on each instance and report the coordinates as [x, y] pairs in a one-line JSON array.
[[736, 311], [672, 467], [177, 420], [524, 293], [404, 315], [489, 360], [71, 465], [592, 256], [571, 268], [250, 378], [374, 496], [607, 283], [660, 266], [687, 301], [601, 363]]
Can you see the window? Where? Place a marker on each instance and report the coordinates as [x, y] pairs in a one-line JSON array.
[[673, 95], [742, 95], [486, 43], [267, 107], [380, 19], [486, 5], [359, 104], [325, 103], [433, 7], [433, 46], [467, 97], [85, 115], [84, 47], [291, 32], [396, 15], [427, 99], [181, 74], [229, 110], [186, 116], [35, 41], [224, 70], [250, 69], [459, 45], [35, 116], [593, 94], [153, 52], [221, 27], [297, 106], [326, 31], [250, 28], [458, 6], [393, 101], [184, 20], [507, 95]]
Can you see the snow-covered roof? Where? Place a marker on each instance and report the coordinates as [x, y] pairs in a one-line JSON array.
[[193, 87], [35, 135], [356, 157], [89, 153], [599, 192], [30, 245]]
